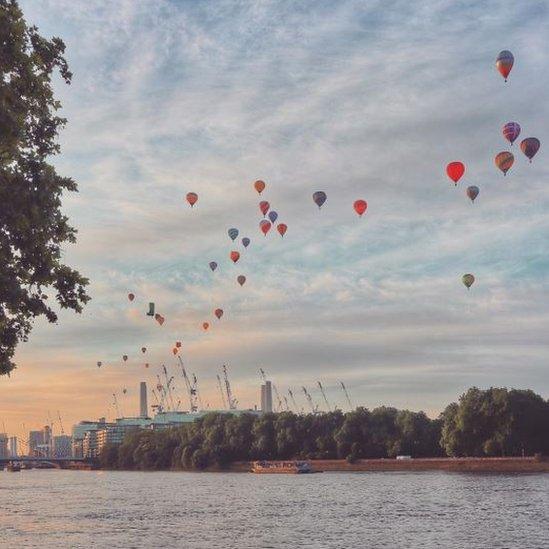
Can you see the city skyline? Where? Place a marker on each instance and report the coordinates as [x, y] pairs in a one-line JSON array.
[[173, 97]]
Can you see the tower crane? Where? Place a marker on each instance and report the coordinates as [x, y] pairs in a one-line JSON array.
[[190, 389], [115, 400], [222, 392], [230, 399], [290, 392], [309, 399], [195, 384], [346, 394], [324, 396], [60, 422]]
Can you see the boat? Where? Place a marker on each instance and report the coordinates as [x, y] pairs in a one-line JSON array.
[[282, 467], [13, 467]]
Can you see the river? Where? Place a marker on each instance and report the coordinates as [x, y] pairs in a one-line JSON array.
[[74, 509]]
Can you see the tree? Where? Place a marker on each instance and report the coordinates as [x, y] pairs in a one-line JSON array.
[[32, 227]]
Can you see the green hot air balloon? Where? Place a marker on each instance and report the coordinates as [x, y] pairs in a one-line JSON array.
[[468, 280]]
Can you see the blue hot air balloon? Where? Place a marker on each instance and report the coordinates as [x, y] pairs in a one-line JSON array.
[[319, 198], [245, 242], [233, 233], [273, 216]]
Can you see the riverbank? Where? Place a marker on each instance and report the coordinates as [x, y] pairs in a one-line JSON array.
[[464, 465]]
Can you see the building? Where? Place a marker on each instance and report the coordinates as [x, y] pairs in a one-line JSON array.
[[4, 445], [90, 446], [267, 397], [77, 448], [114, 434], [143, 408], [36, 441], [62, 446], [79, 433], [13, 447]]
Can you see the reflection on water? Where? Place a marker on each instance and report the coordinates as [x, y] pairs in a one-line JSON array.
[[62, 509]]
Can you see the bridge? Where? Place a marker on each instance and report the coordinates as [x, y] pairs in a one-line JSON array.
[[55, 461]]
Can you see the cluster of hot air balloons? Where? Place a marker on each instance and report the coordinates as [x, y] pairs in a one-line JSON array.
[[503, 160]]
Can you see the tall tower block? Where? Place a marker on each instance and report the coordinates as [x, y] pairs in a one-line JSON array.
[[143, 409]]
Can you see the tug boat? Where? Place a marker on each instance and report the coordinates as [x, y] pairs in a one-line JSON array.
[[282, 467]]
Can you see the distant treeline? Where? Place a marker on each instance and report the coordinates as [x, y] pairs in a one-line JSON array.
[[494, 422]]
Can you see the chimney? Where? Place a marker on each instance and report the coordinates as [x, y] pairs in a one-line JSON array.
[[143, 410]]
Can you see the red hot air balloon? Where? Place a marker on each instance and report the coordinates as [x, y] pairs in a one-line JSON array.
[[131, 297], [282, 228], [218, 313], [259, 186], [205, 325], [175, 350], [192, 199], [530, 147], [504, 160], [360, 206], [511, 131], [265, 226], [235, 256], [178, 344], [504, 63], [241, 279], [159, 318], [455, 170], [264, 207]]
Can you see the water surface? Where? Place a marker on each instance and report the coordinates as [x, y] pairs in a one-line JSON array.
[[74, 509]]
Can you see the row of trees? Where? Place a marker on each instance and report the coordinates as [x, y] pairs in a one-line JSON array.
[[483, 423]]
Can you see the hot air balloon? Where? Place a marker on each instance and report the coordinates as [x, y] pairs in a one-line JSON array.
[[245, 242], [282, 228], [360, 206], [131, 297], [504, 160], [192, 199], [265, 226], [264, 207], [455, 170], [124, 390], [319, 197], [175, 350], [468, 280], [151, 309], [125, 358], [159, 318], [472, 192], [259, 186], [241, 279], [233, 233], [99, 364], [213, 265], [146, 364], [178, 344], [530, 147], [504, 63], [205, 325], [273, 216], [235, 256], [218, 313], [143, 350], [511, 131]]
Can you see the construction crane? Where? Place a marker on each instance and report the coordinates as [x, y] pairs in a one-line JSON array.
[[195, 384], [230, 399], [60, 422], [309, 400], [324, 396], [346, 394], [116, 405], [222, 392], [293, 400], [280, 406], [286, 402], [191, 389]]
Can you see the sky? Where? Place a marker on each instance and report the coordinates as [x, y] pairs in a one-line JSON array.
[[358, 99]]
